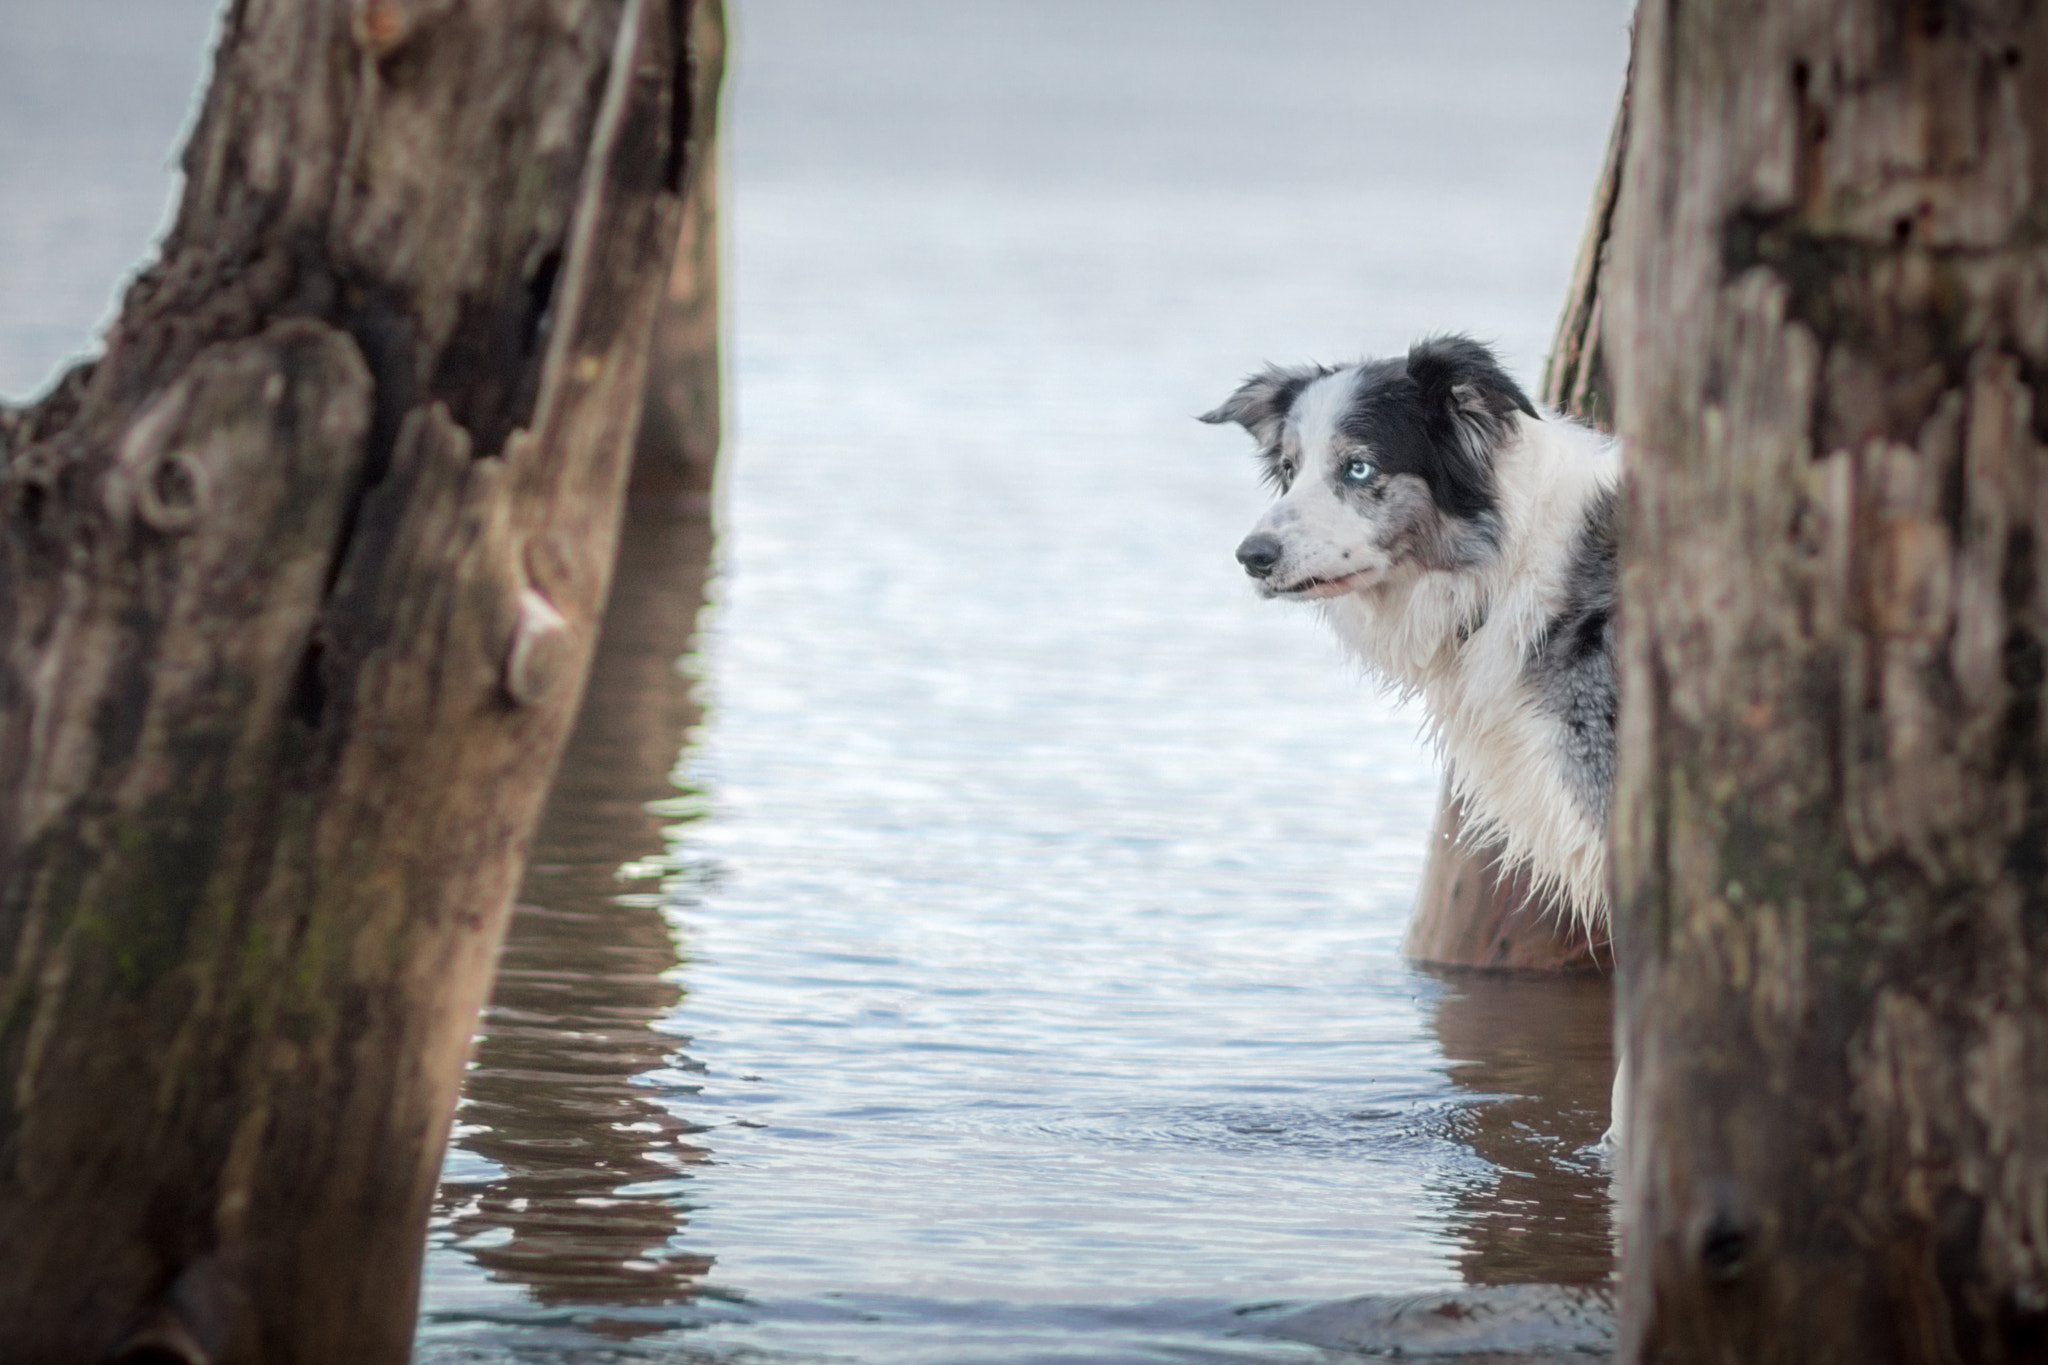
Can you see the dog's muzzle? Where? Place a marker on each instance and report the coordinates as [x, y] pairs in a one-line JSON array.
[[1259, 553]]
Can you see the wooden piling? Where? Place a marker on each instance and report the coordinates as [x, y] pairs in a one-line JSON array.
[[1829, 311], [297, 594]]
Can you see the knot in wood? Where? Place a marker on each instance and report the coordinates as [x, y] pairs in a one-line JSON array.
[[539, 657], [1724, 1248], [172, 494], [384, 26], [31, 486], [380, 26], [156, 480], [165, 1341]]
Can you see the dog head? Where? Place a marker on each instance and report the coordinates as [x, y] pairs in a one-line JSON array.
[[1385, 469]]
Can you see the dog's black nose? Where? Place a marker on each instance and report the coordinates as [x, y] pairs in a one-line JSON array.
[[1259, 553]]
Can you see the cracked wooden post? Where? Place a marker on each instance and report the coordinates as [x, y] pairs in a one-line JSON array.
[[1469, 911], [297, 589], [1830, 303]]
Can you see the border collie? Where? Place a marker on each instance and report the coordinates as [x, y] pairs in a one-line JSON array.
[[1462, 543]]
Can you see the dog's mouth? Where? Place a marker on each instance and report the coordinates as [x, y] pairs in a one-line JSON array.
[[1311, 588]]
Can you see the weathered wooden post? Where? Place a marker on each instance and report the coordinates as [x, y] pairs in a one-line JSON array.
[[1469, 911], [683, 423], [297, 593], [1830, 307]]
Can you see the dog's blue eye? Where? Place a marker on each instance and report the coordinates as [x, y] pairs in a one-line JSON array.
[[1358, 471]]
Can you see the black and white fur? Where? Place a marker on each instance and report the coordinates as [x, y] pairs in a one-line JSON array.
[[1462, 542]]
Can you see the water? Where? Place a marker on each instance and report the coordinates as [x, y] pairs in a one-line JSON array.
[[95, 96], [984, 946]]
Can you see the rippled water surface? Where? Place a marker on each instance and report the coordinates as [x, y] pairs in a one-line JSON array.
[[983, 946], [1035, 893]]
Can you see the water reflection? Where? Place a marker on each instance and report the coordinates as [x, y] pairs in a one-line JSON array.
[[587, 1200], [1540, 1050]]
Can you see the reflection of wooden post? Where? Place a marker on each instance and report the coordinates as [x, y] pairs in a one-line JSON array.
[[297, 589], [594, 965], [1537, 1053], [1467, 914]]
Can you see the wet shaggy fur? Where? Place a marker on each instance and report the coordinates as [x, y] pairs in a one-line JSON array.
[[1462, 542]]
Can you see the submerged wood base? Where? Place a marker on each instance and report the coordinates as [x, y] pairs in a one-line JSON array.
[[1471, 913]]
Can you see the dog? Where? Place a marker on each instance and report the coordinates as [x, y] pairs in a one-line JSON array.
[[1464, 545]]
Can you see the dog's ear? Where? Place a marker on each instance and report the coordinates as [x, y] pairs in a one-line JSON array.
[[1469, 405], [1261, 402], [1461, 379]]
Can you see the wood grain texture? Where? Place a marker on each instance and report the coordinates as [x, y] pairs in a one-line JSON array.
[[1830, 306], [297, 593]]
